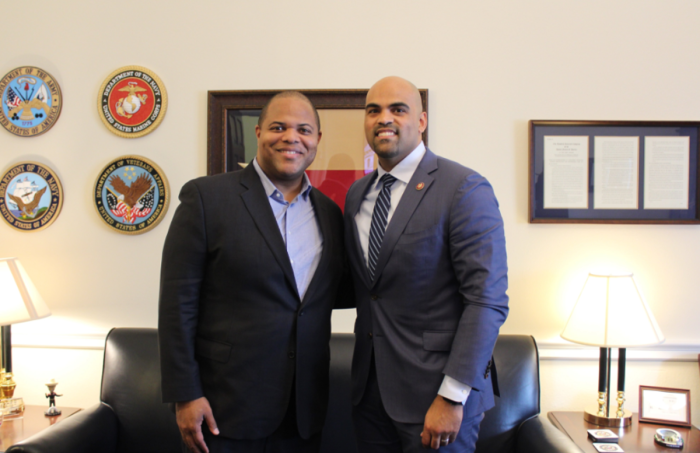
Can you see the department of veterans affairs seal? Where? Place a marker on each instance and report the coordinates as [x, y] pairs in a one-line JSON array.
[[132, 101], [132, 194], [31, 196], [31, 101]]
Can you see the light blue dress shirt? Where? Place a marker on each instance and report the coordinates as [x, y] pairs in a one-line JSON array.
[[451, 388], [299, 229]]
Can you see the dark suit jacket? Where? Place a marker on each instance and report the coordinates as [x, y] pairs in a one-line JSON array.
[[231, 324], [439, 294]]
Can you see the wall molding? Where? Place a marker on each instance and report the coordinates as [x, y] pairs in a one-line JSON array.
[[661, 353], [548, 350], [94, 340]]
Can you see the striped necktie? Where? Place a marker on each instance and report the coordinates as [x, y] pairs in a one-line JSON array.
[[379, 221]]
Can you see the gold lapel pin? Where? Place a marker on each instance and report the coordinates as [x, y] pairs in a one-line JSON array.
[[420, 186]]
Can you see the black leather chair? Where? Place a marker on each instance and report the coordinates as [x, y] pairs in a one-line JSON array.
[[512, 426], [131, 418]]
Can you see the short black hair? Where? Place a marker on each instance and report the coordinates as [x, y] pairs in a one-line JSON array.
[[289, 94]]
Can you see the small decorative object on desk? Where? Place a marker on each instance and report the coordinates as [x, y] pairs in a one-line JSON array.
[[602, 435], [10, 407], [7, 388], [52, 410], [607, 447], [669, 438]]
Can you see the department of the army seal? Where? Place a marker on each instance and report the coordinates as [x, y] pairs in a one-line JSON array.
[[132, 194], [132, 101], [31, 196], [31, 101]]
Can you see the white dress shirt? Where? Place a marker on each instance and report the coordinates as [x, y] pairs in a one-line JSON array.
[[299, 228], [451, 388]]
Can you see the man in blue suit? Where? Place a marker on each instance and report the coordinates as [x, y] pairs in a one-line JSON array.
[[428, 258]]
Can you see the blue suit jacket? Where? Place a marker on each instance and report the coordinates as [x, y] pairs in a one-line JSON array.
[[438, 297]]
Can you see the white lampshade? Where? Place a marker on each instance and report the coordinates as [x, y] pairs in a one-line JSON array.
[[611, 312], [19, 299]]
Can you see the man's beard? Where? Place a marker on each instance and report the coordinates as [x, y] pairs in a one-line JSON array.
[[387, 152]]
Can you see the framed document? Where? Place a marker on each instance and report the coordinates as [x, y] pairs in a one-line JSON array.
[[614, 172], [343, 154], [664, 405], [566, 167]]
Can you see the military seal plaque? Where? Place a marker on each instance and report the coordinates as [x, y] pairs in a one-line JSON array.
[[132, 194], [31, 196], [31, 101], [132, 101]]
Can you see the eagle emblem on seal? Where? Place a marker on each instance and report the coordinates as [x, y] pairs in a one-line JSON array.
[[131, 201]]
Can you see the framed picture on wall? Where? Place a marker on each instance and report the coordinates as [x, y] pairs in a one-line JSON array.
[[343, 153], [663, 405], [614, 172]]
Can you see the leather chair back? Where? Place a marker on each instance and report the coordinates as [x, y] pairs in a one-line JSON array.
[[338, 432], [517, 365], [131, 387]]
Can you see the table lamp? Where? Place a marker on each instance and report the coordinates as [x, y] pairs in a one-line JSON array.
[[19, 302], [611, 313]]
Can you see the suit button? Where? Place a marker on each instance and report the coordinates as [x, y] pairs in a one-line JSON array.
[[301, 313], [291, 354], [374, 297], [369, 335]]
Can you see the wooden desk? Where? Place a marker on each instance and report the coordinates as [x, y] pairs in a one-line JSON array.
[[33, 421], [637, 438]]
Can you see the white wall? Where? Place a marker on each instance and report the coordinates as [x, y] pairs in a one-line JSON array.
[[490, 67]]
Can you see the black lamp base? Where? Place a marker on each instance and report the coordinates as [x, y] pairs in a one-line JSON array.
[[6, 336]]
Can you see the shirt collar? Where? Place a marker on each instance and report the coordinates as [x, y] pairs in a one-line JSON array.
[[272, 192], [403, 171]]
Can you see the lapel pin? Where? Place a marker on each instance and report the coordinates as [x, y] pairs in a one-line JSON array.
[[420, 186]]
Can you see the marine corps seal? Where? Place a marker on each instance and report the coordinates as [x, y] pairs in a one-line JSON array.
[[31, 101], [132, 101], [132, 194], [31, 196]]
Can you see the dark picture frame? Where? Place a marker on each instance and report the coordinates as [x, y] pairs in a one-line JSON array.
[[543, 133], [648, 413], [221, 104]]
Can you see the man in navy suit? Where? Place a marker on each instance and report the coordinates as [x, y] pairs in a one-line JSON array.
[[428, 258], [251, 268]]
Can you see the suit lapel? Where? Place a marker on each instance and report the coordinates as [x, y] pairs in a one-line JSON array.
[[407, 206], [352, 207], [258, 206]]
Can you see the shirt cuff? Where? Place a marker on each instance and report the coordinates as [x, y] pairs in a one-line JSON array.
[[454, 390]]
